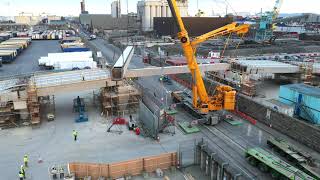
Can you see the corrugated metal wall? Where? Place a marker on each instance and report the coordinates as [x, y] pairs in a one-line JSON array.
[[164, 26], [106, 21]]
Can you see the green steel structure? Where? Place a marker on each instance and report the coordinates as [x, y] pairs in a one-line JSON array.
[[278, 168], [302, 160]]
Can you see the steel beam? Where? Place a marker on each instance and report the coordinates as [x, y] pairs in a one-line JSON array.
[[120, 67], [152, 71]]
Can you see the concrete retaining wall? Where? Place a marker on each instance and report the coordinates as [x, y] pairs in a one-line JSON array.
[[300, 131]]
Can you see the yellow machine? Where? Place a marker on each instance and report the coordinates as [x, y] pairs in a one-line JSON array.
[[224, 97]]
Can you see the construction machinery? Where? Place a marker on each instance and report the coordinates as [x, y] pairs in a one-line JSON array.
[[279, 169], [264, 32], [79, 107], [301, 159], [224, 96]]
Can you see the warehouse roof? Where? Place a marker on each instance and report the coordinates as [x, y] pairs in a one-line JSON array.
[[304, 89]]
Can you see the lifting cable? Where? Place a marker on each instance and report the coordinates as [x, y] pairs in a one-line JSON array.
[[235, 52], [225, 45]]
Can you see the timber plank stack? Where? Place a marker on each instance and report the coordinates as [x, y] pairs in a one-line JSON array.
[[7, 116], [33, 106]]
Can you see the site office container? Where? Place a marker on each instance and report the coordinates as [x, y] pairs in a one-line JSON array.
[[289, 94]]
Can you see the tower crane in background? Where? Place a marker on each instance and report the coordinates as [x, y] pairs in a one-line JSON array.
[[224, 96], [264, 32]]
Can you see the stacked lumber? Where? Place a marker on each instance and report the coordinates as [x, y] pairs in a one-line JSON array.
[[33, 105]]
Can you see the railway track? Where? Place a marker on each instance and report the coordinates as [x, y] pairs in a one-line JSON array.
[[233, 150]]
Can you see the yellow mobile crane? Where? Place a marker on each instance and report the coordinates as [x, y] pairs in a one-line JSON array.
[[224, 97]]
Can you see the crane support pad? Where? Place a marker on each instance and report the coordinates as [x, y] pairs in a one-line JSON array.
[[187, 128]]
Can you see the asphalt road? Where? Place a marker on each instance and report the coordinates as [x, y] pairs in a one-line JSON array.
[[27, 61]]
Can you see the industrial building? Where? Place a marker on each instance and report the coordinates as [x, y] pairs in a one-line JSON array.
[[148, 10], [107, 22], [116, 9], [27, 19], [196, 26]]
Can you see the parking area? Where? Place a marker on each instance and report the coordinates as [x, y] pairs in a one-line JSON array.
[[27, 61]]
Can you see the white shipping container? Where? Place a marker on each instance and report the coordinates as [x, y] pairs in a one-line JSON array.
[[280, 107], [75, 65], [87, 54], [51, 62], [53, 58], [42, 61]]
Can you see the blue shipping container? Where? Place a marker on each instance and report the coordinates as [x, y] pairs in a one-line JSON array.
[[77, 49], [7, 58], [310, 100]]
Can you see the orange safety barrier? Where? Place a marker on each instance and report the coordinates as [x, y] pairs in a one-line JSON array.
[[121, 169], [246, 117]]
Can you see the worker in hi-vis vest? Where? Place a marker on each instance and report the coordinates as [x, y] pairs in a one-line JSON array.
[[25, 160], [20, 175], [23, 171], [75, 135]]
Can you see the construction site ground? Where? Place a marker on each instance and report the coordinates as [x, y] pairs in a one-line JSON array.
[[54, 144]]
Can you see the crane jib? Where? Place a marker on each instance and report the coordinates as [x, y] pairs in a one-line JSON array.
[[174, 14]]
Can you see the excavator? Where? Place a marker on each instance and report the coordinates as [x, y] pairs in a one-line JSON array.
[[224, 96]]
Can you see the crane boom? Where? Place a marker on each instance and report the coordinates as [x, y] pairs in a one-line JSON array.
[[189, 47], [276, 9]]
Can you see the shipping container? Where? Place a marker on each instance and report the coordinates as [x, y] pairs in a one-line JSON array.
[[16, 48], [52, 62], [53, 58], [87, 54], [281, 107], [12, 51], [75, 49], [305, 98], [7, 57], [26, 39], [75, 65], [24, 44]]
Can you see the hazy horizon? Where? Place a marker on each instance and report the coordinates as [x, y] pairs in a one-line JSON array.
[[72, 7]]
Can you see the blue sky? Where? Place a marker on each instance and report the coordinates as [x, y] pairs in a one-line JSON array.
[[72, 7]]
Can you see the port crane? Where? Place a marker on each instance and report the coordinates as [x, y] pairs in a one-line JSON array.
[[266, 24], [224, 96]]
